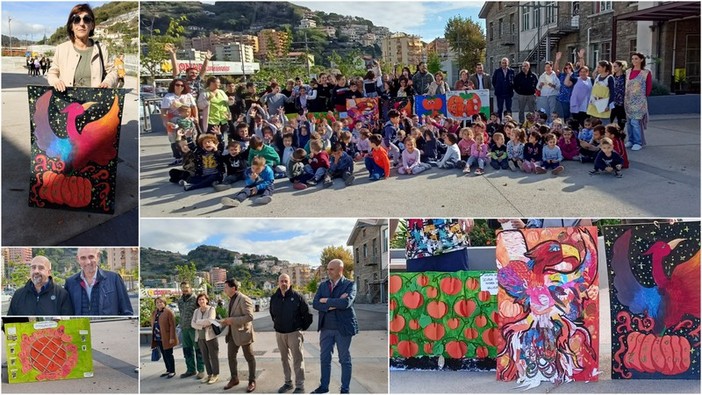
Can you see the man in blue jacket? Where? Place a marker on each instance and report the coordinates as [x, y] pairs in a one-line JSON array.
[[502, 82], [94, 291], [337, 324]]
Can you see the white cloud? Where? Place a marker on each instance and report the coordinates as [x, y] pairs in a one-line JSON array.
[[182, 235], [20, 28], [397, 16]]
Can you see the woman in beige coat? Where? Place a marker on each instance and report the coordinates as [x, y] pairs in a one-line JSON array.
[[164, 334], [206, 338], [81, 61]]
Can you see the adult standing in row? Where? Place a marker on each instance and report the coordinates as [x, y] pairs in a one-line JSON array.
[[550, 86], [503, 82], [619, 74], [463, 83], [218, 109], [602, 95], [191, 351], [422, 79], [40, 295], [163, 335], [525, 87], [178, 96], [582, 87], [480, 80], [638, 88], [438, 86], [565, 91], [240, 334], [206, 337]]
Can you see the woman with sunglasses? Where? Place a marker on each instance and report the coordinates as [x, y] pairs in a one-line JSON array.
[[81, 61], [178, 96]]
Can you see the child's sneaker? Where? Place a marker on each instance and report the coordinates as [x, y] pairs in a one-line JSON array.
[[229, 202], [186, 185], [618, 174], [299, 186], [219, 187], [348, 179], [479, 172], [628, 144], [311, 182], [375, 177], [512, 166], [466, 170], [327, 182], [461, 164], [557, 170], [594, 172], [262, 200], [636, 147], [539, 170], [182, 183]]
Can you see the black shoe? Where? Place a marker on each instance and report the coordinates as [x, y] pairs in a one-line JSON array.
[[285, 388], [618, 174], [164, 374], [187, 374], [594, 172], [320, 390], [299, 390], [311, 182], [344, 392]]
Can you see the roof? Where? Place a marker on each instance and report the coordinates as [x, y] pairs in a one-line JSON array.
[[360, 224], [663, 12], [485, 9]]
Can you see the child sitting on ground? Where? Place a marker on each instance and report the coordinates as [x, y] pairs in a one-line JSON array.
[[607, 159], [318, 163], [588, 150], [586, 132], [493, 125], [411, 159], [452, 157], [257, 148], [377, 163], [551, 156], [235, 164], [569, 145], [209, 166], [363, 146], [288, 148], [478, 155], [259, 185], [532, 153], [188, 160], [296, 169], [498, 152], [515, 149], [340, 166], [529, 121], [465, 143], [614, 133]]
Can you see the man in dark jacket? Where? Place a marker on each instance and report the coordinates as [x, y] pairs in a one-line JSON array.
[[337, 324], [40, 296], [525, 88], [502, 80], [94, 291], [422, 79], [288, 310]]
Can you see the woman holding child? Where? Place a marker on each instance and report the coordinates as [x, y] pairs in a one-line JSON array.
[[178, 96]]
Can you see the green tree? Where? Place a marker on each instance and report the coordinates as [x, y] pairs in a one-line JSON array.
[[311, 287], [153, 46], [338, 252], [399, 239], [347, 65], [433, 62], [186, 273], [466, 37], [19, 274]]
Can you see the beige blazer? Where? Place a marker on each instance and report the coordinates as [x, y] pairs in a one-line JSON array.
[[63, 66], [200, 321], [487, 81], [240, 321]]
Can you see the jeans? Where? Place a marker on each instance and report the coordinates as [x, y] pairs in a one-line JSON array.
[[548, 103], [373, 168], [327, 339], [635, 131], [525, 104], [564, 110], [551, 165], [415, 170], [210, 353], [473, 160], [246, 193], [503, 103], [318, 174], [167, 357], [190, 347], [232, 178], [497, 164], [197, 182]]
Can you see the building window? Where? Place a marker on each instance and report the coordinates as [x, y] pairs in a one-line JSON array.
[[358, 256], [551, 8], [603, 6], [525, 19], [490, 33], [594, 53], [375, 247], [692, 58], [632, 46], [606, 51], [575, 10], [386, 238], [536, 11], [491, 65], [512, 28], [365, 250], [500, 25]]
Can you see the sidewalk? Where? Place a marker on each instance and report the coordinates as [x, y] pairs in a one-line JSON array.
[[114, 362], [368, 352], [662, 181], [50, 226]]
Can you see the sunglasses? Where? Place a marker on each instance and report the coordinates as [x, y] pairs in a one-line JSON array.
[[179, 85], [87, 19]]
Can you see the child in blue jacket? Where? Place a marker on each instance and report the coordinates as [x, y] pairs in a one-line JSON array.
[[259, 185]]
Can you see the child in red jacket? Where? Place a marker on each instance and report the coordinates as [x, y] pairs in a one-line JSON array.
[[377, 163], [318, 163], [569, 145], [617, 135]]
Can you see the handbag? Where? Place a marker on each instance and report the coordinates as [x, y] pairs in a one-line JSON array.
[[155, 354], [102, 62], [216, 329]]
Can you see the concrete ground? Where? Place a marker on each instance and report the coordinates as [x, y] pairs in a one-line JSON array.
[[368, 353], [414, 381], [115, 360], [62, 227], [663, 180]]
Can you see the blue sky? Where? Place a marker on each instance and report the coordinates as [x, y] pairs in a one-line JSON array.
[[33, 19], [296, 240], [426, 19]]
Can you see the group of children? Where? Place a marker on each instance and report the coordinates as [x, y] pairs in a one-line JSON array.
[[311, 154]]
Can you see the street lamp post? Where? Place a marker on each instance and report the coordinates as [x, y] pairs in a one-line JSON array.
[[9, 27]]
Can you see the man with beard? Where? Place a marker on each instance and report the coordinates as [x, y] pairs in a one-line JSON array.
[[187, 305], [40, 296], [422, 79]]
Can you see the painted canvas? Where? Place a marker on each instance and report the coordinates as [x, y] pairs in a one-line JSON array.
[[443, 314], [548, 307], [365, 110], [74, 146], [654, 285], [464, 104], [401, 104], [430, 105], [49, 350], [315, 117], [434, 236]]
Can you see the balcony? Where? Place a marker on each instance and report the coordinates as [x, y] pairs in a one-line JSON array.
[[551, 36]]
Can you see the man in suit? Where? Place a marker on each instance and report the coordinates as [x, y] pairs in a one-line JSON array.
[[481, 80], [502, 82], [240, 334], [337, 324]]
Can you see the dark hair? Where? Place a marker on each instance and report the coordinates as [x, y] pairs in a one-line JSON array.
[[536, 135], [255, 142], [452, 138], [184, 283], [171, 86], [274, 85], [599, 128], [640, 56], [393, 113], [337, 146], [607, 66], [202, 295], [287, 136], [375, 139], [615, 131], [549, 136], [232, 143], [211, 80], [232, 283], [369, 75], [77, 9], [299, 154]]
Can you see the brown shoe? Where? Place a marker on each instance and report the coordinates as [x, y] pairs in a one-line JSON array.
[[231, 384], [251, 387]]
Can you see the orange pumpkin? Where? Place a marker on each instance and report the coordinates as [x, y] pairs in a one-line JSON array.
[[437, 309], [464, 308], [393, 339], [407, 348], [397, 324], [509, 309], [412, 300], [480, 321], [484, 296], [481, 352], [395, 284], [414, 325], [471, 333], [393, 305], [472, 105], [453, 323], [422, 280], [648, 353], [434, 331], [428, 348], [456, 106], [431, 292], [72, 191], [456, 349], [490, 337], [472, 284], [451, 286]]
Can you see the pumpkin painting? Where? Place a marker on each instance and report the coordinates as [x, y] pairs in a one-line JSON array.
[[463, 105], [445, 314], [648, 353], [72, 191], [430, 105]]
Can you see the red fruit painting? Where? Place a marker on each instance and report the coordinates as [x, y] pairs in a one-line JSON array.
[[397, 324], [422, 280], [453, 323], [481, 352], [451, 286], [395, 284], [456, 349], [472, 284], [431, 292], [470, 333], [464, 308], [480, 321], [407, 348], [484, 296], [490, 336], [414, 325], [436, 309], [412, 300], [434, 331]]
